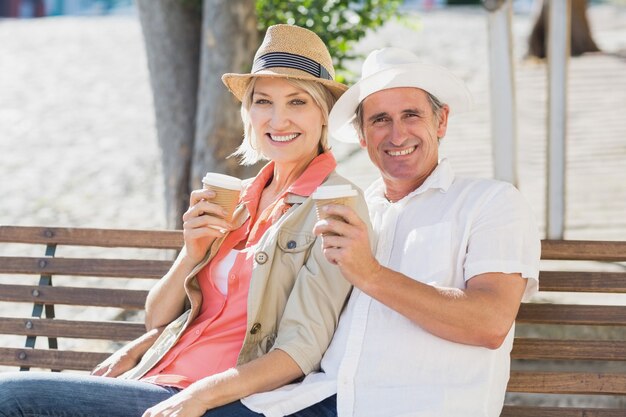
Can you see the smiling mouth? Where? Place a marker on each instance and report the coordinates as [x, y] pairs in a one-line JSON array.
[[283, 138], [402, 152]]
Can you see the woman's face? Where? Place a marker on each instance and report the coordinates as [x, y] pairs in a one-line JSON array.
[[286, 122]]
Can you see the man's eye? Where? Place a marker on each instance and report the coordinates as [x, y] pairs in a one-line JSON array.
[[379, 120]]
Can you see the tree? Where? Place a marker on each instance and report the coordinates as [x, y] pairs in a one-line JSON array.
[[172, 35], [581, 40], [191, 43], [189, 46]]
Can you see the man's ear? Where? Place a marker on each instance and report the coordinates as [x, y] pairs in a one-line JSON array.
[[362, 142], [443, 121]]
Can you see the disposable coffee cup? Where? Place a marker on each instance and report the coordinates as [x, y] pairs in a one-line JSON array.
[[333, 194], [227, 190]]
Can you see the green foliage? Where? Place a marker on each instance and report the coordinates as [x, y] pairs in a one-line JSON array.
[[340, 23]]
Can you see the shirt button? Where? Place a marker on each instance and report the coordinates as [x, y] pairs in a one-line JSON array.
[[291, 244], [261, 257], [255, 328], [197, 332], [232, 277]]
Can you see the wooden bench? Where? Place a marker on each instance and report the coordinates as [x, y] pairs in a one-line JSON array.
[[570, 352], [575, 344], [29, 279]]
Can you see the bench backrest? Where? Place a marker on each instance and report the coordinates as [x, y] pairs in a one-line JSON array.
[[570, 344], [570, 340], [85, 280]]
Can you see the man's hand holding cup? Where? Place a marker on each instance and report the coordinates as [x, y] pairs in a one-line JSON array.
[[345, 239]]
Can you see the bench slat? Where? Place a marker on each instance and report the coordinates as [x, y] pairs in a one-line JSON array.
[[51, 359], [126, 299], [523, 411], [611, 282], [108, 330], [116, 268], [614, 251], [609, 350], [153, 239], [572, 314], [567, 382]]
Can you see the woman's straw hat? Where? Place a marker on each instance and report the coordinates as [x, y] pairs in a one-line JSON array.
[[290, 52]]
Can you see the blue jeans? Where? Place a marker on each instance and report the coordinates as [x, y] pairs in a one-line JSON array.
[[326, 408], [74, 395], [50, 394]]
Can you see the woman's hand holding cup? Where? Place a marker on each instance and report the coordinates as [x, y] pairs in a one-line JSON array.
[[210, 213]]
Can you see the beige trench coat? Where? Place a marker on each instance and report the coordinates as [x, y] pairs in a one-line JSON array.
[[295, 294]]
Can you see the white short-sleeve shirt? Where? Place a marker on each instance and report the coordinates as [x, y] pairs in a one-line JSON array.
[[380, 363]]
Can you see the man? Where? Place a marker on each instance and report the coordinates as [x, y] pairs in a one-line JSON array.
[[429, 326]]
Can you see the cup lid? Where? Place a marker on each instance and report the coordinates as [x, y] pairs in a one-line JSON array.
[[334, 191], [222, 181]]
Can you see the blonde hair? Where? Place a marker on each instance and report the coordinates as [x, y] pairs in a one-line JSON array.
[[248, 151]]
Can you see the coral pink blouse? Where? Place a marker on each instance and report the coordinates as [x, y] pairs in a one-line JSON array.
[[211, 344]]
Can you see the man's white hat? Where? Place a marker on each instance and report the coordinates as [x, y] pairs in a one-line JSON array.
[[391, 68]]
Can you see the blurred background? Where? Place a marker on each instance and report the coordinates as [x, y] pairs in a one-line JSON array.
[[43, 8], [80, 144]]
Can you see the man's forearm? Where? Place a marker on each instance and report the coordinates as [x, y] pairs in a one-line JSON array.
[[480, 314]]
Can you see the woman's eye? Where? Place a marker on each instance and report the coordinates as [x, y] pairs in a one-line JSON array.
[[262, 101], [298, 102]]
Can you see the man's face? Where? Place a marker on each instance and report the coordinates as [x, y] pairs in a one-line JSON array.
[[401, 134]]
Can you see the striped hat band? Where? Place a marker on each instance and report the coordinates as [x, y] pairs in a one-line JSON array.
[[287, 60]]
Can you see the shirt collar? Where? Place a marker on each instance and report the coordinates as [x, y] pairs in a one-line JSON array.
[[317, 171], [440, 179], [314, 174]]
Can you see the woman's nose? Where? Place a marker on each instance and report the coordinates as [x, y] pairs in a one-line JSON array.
[[280, 118]]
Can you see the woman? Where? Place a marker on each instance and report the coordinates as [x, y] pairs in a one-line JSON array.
[[264, 302]]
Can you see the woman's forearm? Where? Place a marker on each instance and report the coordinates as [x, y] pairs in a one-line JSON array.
[[126, 357], [166, 300], [266, 373]]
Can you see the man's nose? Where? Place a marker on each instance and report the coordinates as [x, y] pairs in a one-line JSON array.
[[398, 133]]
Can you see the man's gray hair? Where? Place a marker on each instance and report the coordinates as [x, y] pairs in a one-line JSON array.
[[435, 104]]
